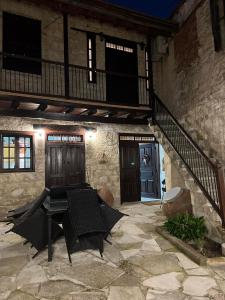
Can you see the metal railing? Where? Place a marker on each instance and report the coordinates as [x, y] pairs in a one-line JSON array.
[[21, 74], [209, 177]]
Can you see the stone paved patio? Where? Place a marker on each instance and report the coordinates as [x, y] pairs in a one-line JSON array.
[[139, 265]]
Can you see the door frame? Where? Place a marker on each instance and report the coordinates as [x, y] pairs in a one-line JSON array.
[[65, 133], [130, 138]]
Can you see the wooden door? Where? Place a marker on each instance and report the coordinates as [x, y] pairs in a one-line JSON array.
[[55, 171], [65, 165], [129, 172], [75, 164], [121, 77], [149, 169]]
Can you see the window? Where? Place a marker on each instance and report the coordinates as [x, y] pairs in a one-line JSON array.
[[64, 138], [91, 48], [21, 40], [218, 23], [16, 152], [147, 68], [119, 47]]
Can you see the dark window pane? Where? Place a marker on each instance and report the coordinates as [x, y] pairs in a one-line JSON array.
[[21, 37]]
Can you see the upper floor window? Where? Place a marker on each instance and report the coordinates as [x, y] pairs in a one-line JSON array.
[[218, 23], [16, 152], [91, 48], [21, 43]]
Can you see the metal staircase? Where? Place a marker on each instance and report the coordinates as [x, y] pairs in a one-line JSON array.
[[208, 176]]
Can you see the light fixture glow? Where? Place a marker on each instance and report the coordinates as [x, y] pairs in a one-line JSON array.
[[40, 133], [90, 135]]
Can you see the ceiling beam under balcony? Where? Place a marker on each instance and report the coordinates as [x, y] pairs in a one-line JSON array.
[[15, 104], [42, 107], [88, 112], [69, 110], [70, 117], [9, 97]]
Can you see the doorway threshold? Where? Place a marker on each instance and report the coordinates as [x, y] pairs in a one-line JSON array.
[[144, 199]]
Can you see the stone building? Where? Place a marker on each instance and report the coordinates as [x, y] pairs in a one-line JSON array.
[[78, 86]]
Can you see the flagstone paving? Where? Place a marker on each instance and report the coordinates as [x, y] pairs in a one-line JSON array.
[[139, 265]]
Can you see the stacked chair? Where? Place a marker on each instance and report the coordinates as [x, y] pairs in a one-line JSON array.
[[31, 222], [86, 222]]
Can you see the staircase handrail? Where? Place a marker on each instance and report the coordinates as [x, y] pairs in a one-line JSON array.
[[216, 199]]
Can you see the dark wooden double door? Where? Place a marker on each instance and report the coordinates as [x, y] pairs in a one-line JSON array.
[[139, 171], [65, 164]]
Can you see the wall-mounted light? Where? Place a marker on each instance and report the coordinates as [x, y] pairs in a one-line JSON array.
[[90, 135], [40, 132]]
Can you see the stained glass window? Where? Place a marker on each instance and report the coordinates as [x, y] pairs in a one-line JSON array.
[[16, 152]]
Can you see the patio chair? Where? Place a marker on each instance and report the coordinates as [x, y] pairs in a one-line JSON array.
[[58, 196], [26, 209], [34, 228], [83, 225], [110, 217]]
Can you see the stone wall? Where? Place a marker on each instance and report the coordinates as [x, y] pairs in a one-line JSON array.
[[190, 80], [17, 188]]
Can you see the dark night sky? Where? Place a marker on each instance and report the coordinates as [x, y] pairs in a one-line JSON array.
[[157, 8]]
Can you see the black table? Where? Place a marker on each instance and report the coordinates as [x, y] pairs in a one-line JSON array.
[[53, 207]]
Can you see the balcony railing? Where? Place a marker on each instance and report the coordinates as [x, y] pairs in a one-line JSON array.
[[21, 74]]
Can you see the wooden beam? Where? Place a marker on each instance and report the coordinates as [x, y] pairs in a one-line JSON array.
[[68, 110], [42, 107], [69, 117], [109, 114], [6, 96], [67, 128], [88, 112], [15, 104], [106, 12]]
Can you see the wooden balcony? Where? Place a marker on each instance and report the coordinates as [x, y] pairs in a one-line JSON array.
[[52, 89]]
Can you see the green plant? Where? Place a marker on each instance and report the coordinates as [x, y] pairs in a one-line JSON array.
[[187, 228]]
